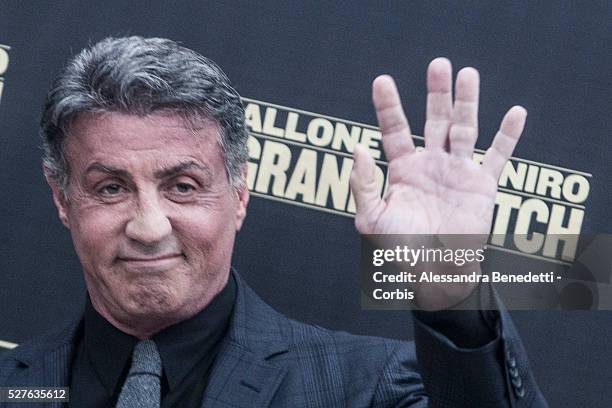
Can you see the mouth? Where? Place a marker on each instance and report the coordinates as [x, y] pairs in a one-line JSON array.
[[157, 262]]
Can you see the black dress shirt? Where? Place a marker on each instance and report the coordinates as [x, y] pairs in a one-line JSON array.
[[188, 350]]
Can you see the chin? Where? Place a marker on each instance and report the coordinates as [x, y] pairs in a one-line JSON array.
[[152, 301]]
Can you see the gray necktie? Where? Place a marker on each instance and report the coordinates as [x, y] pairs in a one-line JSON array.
[[142, 386]]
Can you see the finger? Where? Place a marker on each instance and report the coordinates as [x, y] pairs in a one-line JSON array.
[[363, 181], [505, 140], [439, 103], [396, 135], [464, 125]]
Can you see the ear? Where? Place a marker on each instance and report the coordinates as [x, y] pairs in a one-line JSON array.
[[243, 199], [58, 198]]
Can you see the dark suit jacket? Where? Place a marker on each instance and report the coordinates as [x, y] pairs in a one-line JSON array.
[[269, 360]]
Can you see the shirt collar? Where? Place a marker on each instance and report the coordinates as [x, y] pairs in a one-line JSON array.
[[181, 346]]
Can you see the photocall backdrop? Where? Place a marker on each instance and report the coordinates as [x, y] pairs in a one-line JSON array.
[[305, 69]]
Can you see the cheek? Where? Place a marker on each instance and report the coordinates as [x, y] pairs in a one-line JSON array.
[[207, 237], [95, 233]]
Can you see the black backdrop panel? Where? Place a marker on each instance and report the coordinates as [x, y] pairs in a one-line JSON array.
[[551, 57]]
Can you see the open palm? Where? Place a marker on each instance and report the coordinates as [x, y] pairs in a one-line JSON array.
[[438, 190]]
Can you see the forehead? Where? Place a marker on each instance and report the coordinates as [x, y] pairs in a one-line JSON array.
[[156, 137]]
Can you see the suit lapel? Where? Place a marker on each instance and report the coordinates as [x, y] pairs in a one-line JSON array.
[[242, 379], [245, 373]]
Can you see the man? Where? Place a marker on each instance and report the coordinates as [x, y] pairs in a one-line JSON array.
[[145, 153]]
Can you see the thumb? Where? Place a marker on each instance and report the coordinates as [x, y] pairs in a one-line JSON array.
[[363, 184]]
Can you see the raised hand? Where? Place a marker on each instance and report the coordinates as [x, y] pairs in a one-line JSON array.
[[439, 190]]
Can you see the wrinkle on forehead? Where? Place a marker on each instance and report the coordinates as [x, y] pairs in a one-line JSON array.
[[169, 119], [111, 129]]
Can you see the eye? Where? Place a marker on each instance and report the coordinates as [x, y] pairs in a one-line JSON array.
[[111, 189], [184, 188]]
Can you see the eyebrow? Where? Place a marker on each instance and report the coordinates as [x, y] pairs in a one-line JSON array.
[[160, 174], [105, 168], [181, 167]]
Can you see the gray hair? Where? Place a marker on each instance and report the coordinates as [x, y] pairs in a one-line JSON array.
[[140, 76]]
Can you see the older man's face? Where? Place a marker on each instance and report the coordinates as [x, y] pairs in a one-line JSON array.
[[152, 215]]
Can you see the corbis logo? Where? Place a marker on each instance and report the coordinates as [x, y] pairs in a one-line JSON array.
[[4, 61]]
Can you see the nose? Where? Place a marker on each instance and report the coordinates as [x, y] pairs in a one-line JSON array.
[[149, 225]]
